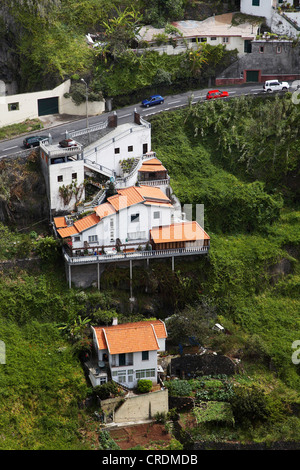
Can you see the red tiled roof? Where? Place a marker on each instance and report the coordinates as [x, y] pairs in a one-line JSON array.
[[152, 165], [67, 231], [134, 195], [182, 231], [103, 210], [131, 337], [60, 222], [86, 222]]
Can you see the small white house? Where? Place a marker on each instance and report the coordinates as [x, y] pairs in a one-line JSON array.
[[129, 350]]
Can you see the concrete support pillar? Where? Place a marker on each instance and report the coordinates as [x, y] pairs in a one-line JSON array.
[[70, 280], [172, 263], [98, 275], [130, 269]]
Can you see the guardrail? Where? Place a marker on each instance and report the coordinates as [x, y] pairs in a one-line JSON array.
[[136, 255]]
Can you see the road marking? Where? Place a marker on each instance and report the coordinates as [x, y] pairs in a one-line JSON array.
[[125, 115], [232, 92], [10, 148], [172, 102], [257, 89]]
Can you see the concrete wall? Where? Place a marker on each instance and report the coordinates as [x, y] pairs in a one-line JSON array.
[[142, 407], [27, 105], [270, 64]]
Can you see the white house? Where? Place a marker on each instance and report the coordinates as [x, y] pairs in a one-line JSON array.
[[113, 155], [214, 30], [282, 16], [124, 221], [129, 350], [18, 107], [63, 167]]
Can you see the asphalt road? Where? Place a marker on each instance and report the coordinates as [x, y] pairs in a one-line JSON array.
[[14, 146]]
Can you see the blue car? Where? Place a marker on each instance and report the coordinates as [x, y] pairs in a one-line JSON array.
[[155, 99]]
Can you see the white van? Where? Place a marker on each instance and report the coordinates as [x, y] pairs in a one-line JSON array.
[[275, 85]]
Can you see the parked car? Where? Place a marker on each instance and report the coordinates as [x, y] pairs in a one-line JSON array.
[[68, 143], [216, 94], [275, 85], [154, 99], [34, 140]]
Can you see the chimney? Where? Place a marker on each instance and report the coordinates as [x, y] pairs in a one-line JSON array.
[[114, 321]]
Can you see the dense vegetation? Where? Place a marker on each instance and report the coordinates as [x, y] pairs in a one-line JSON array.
[[48, 45], [249, 186], [249, 283]]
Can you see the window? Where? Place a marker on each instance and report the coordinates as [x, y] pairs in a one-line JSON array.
[[122, 359], [130, 148], [93, 238], [261, 49], [225, 40], [76, 239], [255, 3], [156, 215], [112, 230], [278, 49], [135, 217], [74, 176], [13, 106], [145, 148], [145, 355], [60, 178], [142, 373], [213, 39], [117, 150]]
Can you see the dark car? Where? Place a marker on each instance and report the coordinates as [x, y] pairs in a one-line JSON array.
[[154, 99], [216, 94], [34, 140], [68, 143]]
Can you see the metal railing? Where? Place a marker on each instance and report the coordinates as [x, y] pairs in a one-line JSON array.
[[90, 259]]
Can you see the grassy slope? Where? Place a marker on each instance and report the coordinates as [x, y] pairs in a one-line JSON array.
[[242, 276]]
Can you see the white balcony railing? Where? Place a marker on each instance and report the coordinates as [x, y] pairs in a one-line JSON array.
[[90, 259]]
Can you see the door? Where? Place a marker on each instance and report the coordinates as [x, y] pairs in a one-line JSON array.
[[48, 106], [248, 45], [252, 75]]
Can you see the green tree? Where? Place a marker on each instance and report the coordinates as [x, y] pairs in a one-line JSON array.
[[121, 29]]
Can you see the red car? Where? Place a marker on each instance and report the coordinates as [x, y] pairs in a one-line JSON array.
[[68, 143], [216, 94]]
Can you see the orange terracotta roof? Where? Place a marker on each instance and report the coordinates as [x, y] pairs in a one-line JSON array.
[[131, 337], [126, 197], [67, 231], [134, 195], [152, 192], [103, 210], [152, 165], [86, 222], [60, 222], [182, 231]]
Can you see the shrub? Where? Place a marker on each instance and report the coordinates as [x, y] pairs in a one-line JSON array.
[[104, 391], [249, 405], [144, 386]]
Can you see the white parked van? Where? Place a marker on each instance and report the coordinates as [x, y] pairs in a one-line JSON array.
[[275, 85]]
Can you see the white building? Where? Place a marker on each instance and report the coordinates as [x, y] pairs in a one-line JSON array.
[[117, 156], [63, 170], [124, 222], [214, 30], [282, 16], [129, 350], [18, 107]]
